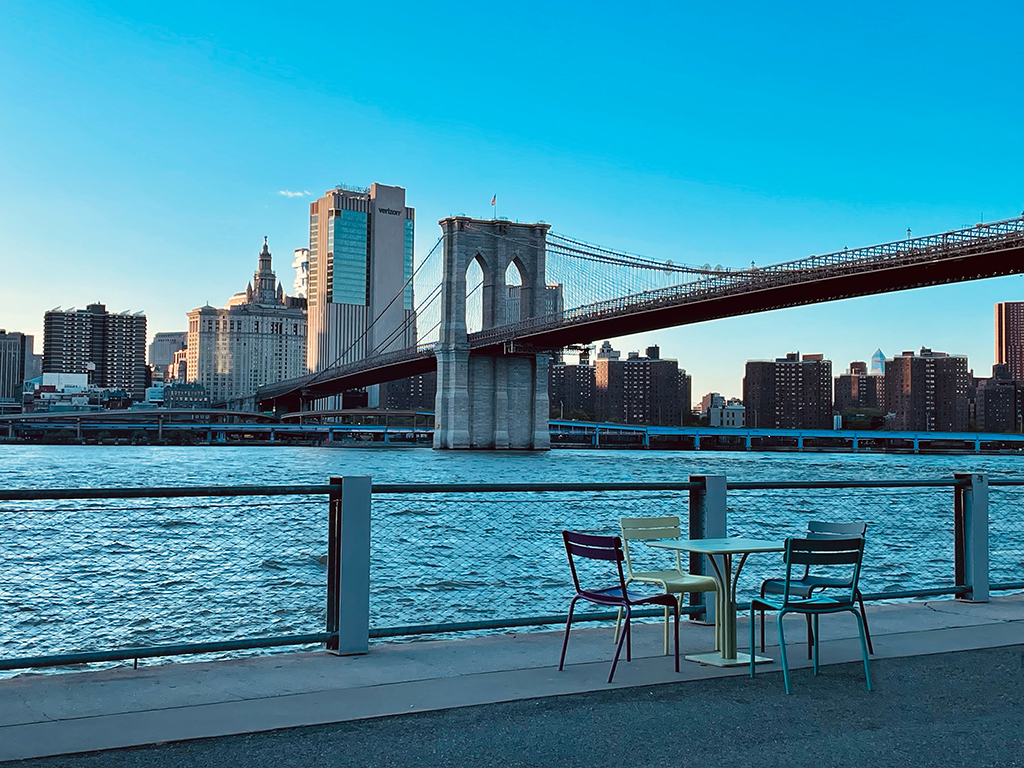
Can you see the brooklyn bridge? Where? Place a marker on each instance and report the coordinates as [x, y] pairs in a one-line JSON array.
[[495, 298]]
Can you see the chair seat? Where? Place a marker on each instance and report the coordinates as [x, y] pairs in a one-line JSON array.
[[802, 587], [817, 604], [674, 581], [614, 596]]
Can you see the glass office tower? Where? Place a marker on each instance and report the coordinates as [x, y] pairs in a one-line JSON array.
[[360, 258]]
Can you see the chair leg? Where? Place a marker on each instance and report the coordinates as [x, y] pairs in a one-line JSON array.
[[618, 627], [752, 660], [816, 640], [623, 638], [811, 634], [867, 632], [565, 640], [677, 632], [762, 624], [862, 626], [629, 640], [782, 652], [666, 630]]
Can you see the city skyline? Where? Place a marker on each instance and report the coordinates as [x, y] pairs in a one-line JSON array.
[[697, 148]]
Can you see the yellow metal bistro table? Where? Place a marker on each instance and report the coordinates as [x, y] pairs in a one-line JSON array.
[[727, 655]]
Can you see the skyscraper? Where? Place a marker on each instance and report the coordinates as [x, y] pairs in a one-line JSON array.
[[15, 350], [301, 266], [110, 348], [789, 392], [360, 260], [258, 339], [161, 351], [1010, 337]]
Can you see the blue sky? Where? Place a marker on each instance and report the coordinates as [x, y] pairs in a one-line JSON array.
[[144, 146]]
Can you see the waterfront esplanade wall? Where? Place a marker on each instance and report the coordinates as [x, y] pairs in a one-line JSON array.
[[495, 399]]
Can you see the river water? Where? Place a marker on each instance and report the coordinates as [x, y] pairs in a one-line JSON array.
[[58, 466], [85, 575]]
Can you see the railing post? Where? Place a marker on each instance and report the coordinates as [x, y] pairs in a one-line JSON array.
[[707, 521], [348, 566], [971, 531]]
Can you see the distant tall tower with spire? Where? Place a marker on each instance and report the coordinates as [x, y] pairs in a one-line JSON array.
[[259, 338], [877, 364]]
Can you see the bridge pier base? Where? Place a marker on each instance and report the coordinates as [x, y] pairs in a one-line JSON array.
[[491, 402]]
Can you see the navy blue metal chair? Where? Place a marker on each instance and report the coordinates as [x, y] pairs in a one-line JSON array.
[[617, 596], [806, 585], [828, 551]]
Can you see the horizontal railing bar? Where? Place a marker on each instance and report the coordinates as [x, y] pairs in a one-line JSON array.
[[528, 487], [525, 621], [1007, 585], [403, 488], [123, 654], [164, 493], [811, 484]]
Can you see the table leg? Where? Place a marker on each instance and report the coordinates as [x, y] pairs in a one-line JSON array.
[[728, 655]]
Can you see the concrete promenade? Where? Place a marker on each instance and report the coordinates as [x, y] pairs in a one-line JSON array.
[[505, 682]]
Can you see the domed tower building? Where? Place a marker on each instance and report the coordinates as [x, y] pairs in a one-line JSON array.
[[258, 339]]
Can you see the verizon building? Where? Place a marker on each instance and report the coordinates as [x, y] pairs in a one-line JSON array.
[[360, 259], [1010, 337]]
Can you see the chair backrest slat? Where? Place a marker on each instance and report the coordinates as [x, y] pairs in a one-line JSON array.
[[649, 528], [819, 527], [595, 553], [824, 558]]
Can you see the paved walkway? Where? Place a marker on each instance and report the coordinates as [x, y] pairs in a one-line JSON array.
[[69, 713]]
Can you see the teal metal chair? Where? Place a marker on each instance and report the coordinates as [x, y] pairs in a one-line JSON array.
[[809, 583], [829, 551]]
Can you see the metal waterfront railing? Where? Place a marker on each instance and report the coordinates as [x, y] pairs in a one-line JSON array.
[[94, 575]]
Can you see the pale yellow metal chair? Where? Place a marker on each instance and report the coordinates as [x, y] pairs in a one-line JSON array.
[[676, 580]]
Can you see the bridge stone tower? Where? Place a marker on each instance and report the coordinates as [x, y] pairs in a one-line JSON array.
[[495, 398]]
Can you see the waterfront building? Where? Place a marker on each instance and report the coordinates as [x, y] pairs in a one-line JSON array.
[[184, 394], [109, 347], [731, 415], [857, 389], [15, 362], [163, 349], [300, 285], [258, 339], [994, 404], [571, 388], [1010, 337], [360, 260], [927, 392], [61, 392], [788, 393], [639, 390]]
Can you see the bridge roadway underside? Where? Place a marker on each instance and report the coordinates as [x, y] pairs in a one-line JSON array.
[[899, 278]]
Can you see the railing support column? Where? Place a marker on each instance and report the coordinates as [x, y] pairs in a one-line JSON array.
[[707, 521], [971, 526], [348, 566]]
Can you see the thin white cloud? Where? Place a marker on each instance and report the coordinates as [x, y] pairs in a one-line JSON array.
[[290, 193]]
